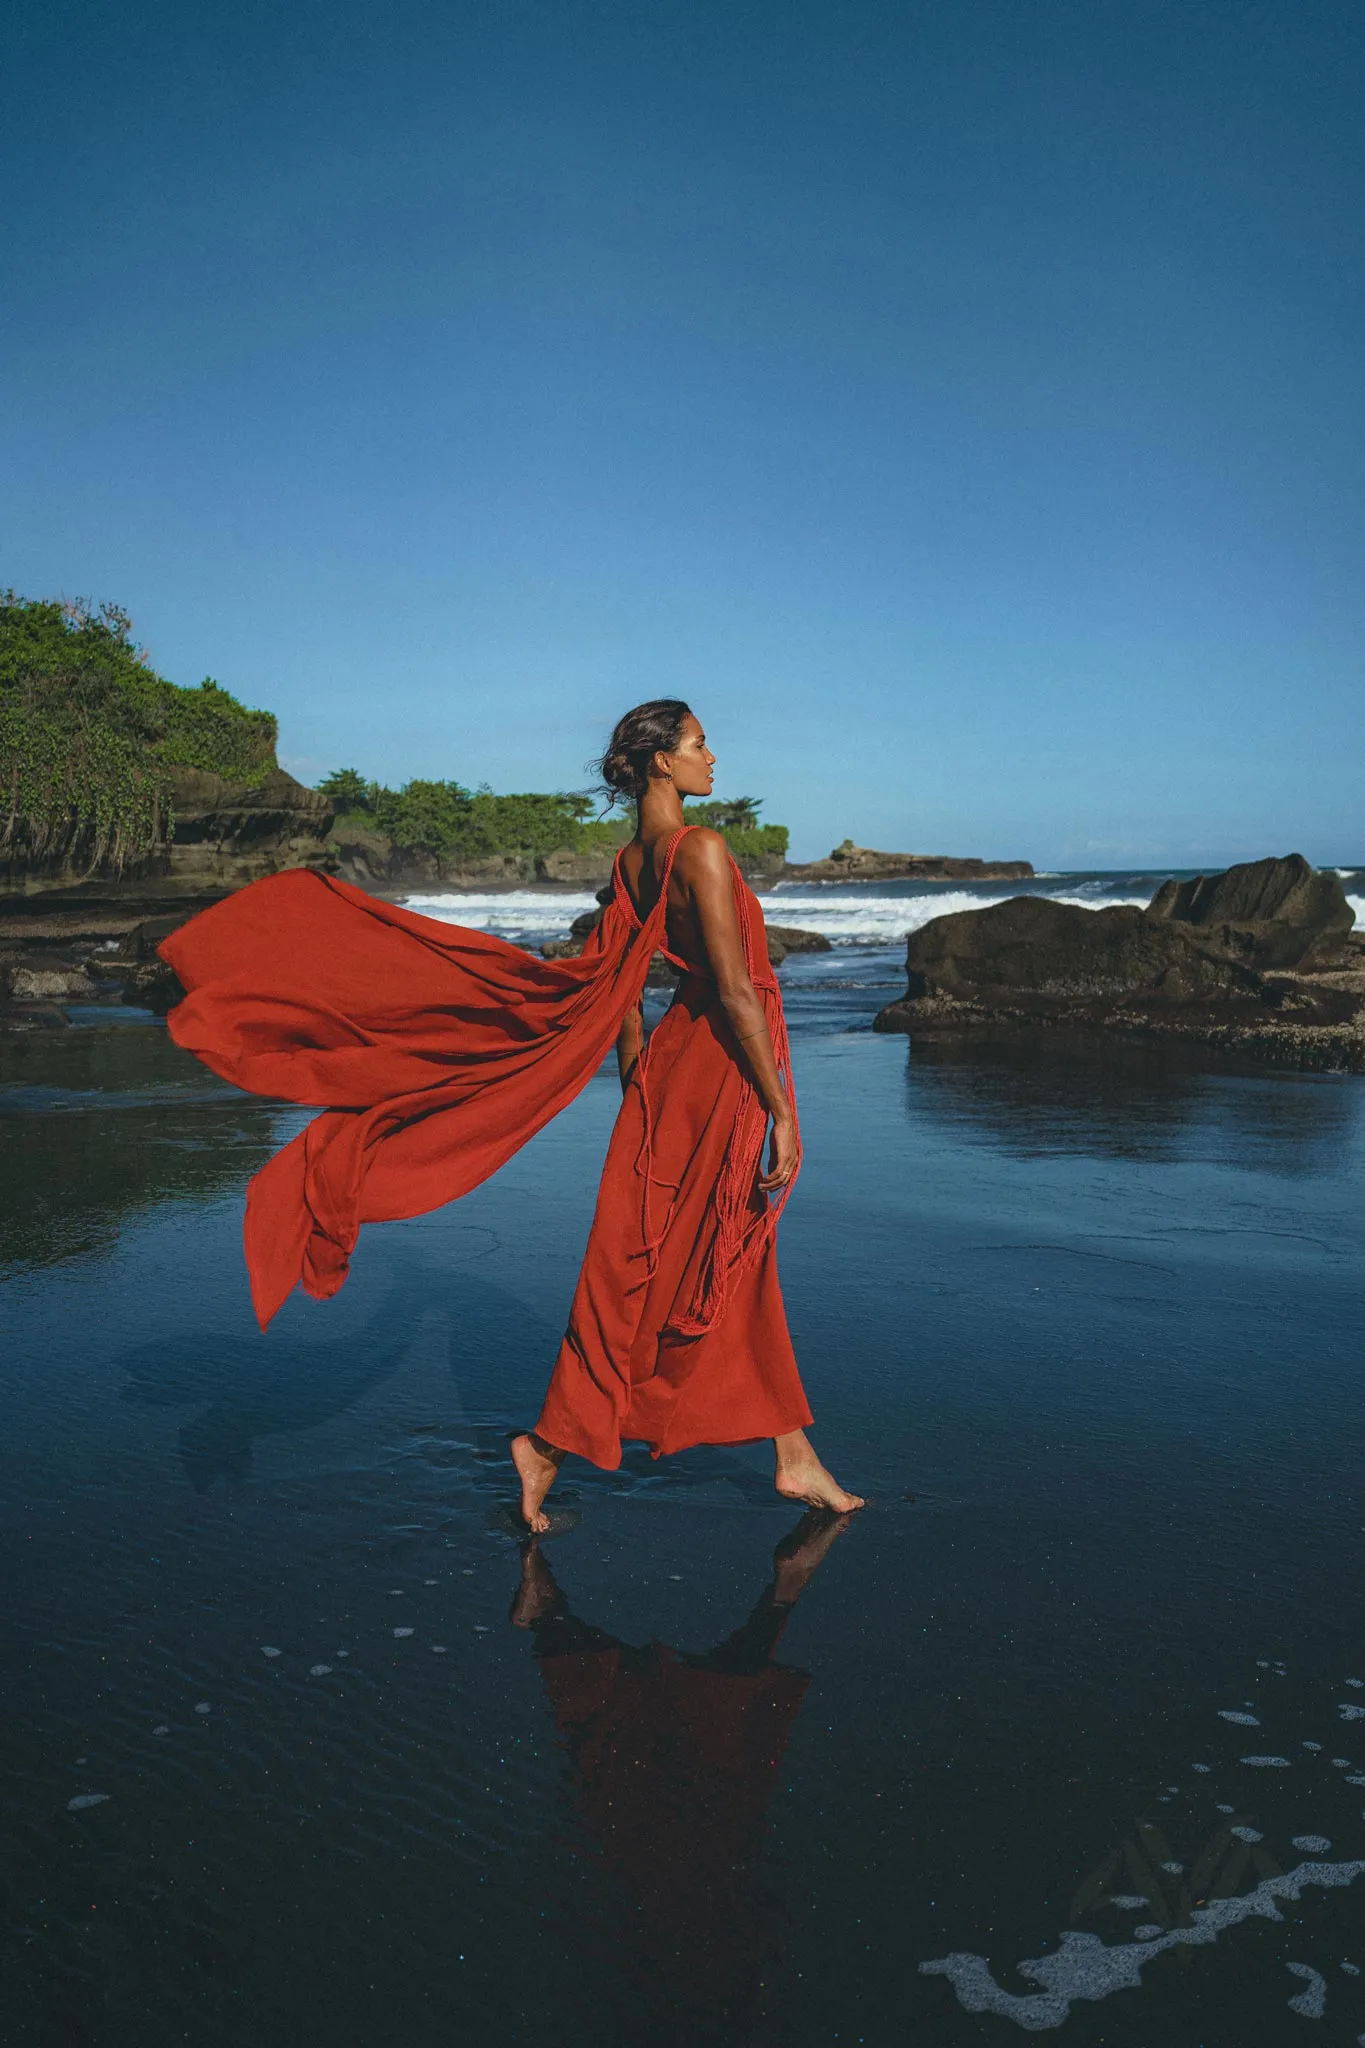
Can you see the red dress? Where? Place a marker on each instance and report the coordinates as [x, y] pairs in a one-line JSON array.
[[677, 1334], [434, 1053]]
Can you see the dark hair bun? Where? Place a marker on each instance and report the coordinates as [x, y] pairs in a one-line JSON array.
[[650, 729]]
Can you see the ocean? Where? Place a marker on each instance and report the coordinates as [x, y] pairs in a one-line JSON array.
[[862, 914], [1065, 1734]]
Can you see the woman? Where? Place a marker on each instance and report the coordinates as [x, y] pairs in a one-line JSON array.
[[435, 1052], [677, 1334]]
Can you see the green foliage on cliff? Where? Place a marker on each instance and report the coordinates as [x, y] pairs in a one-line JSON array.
[[455, 823], [754, 841], [737, 821], [89, 734]]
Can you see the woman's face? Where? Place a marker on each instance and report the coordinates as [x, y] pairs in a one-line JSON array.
[[691, 764]]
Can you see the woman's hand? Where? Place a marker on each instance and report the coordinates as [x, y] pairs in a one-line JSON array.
[[782, 1154]]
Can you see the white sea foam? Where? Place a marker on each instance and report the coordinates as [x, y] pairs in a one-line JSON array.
[[1312, 2003], [875, 919], [866, 917], [849, 914], [1084, 1967], [516, 914]]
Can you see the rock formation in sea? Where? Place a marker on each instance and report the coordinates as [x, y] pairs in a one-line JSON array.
[[1261, 960], [1269, 913], [850, 863]]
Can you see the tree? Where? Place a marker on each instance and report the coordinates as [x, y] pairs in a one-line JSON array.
[[349, 790], [430, 814], [89, 733], [738, 813]]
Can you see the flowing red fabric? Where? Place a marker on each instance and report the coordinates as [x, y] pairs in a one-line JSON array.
[[434, 1051]]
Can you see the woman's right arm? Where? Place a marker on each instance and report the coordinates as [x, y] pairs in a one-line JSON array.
[[629, 1044], [704, 865]]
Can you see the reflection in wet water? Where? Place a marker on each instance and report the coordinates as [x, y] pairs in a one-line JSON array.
[[1132, 1102], [674, 1759], [99, 1126]]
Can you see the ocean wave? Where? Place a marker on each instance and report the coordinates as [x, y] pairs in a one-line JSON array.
[[878, 920], [527, 916], [858, 915]]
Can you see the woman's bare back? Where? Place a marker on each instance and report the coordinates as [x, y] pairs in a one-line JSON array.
[[641, 864]]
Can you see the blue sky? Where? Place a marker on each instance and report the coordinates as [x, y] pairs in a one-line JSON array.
[[960, 404]]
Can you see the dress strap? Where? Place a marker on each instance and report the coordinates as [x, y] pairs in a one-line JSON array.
[[673, 845], [622, 893], [660, 909]]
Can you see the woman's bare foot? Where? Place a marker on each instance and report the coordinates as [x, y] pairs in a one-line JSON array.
[[537, 1475], [801, 1476]]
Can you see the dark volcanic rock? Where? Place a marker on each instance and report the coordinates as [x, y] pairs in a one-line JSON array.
[[147, 978], [1269, 913], [43, 978], [155, 986], [1055, 952], [1031, 961], [138, 948], [789, 938]]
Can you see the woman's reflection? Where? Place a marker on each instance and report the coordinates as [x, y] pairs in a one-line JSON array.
[[674, 1759]]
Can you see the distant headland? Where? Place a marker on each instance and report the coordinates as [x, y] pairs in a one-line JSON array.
[[850, 863]]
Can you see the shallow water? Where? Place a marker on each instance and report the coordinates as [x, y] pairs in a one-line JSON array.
[[1084, 1326]]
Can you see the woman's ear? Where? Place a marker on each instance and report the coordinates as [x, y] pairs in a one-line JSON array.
[[660, 767]]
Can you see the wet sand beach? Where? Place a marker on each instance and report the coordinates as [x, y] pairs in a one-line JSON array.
[[1065, 1734]]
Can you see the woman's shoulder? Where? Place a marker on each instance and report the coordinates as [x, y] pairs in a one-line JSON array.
[[701, 851]]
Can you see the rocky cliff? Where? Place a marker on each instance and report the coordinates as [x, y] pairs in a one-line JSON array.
[[225, 834]]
